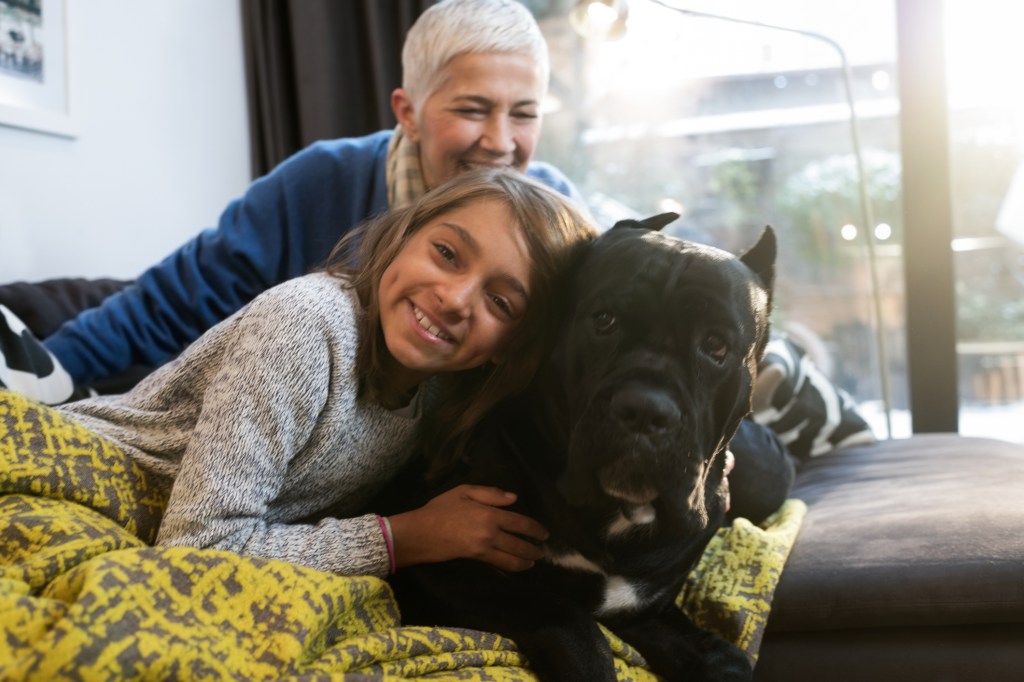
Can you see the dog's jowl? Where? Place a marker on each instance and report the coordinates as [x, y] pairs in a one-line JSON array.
[[618, 448]]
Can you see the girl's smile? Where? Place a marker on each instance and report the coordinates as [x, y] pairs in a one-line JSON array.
[[433, 330]]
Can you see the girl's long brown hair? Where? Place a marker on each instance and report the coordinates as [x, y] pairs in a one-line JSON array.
[[551, 227]]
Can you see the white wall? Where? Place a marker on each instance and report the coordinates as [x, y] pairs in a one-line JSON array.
[[158, 91]]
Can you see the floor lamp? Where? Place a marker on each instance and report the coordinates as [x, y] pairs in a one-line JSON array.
[[607, 18]]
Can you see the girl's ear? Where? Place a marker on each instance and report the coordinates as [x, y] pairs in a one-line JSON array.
[[402, 107]]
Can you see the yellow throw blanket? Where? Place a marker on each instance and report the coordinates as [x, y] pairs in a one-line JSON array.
[[84, 597]]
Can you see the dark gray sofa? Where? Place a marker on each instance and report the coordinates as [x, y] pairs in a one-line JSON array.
[[909, 566]]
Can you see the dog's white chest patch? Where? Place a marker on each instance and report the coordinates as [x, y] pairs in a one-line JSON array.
[[641, 516], [619, 595], [574, 561]]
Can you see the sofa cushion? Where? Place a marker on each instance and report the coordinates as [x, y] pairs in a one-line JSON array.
[[45, 306], [926, 531]]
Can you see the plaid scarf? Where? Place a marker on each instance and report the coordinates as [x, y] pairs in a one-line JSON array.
[[404, 176]]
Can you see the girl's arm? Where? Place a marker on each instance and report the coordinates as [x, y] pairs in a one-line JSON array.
[[258, 430]]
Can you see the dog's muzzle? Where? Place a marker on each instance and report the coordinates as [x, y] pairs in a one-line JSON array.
[[626, 447], [645, 413]]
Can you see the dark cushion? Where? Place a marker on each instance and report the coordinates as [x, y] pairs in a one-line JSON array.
[[44, 306], [909, 566], [927, 531]]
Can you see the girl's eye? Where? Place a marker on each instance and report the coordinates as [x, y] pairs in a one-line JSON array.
[[503, 305], [445, 252]]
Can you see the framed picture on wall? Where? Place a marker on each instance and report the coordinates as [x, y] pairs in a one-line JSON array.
[[34, 58]]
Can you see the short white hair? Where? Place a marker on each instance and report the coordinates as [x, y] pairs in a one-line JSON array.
[[455, 27]]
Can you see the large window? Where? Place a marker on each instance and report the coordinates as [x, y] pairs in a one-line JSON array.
[[735, 126]]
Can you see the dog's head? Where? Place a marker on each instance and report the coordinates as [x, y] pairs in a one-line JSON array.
[[654, 367]]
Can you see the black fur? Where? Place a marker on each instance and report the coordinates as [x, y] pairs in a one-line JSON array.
[[625, 427]]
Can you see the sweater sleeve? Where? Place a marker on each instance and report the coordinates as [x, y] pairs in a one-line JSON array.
[[284, 225], [552, 177], [257, 418]]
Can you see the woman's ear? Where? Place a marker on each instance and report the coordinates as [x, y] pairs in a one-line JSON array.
[[403, 109]]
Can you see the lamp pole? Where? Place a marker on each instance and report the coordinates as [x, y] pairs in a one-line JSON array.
[[865, 198]]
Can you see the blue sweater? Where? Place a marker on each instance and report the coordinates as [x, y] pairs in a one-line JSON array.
[[282, 227]]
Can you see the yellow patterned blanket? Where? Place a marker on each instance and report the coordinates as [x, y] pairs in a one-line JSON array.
[[84, 597]]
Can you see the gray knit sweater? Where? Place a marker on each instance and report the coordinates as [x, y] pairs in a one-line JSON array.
[[257, 425]]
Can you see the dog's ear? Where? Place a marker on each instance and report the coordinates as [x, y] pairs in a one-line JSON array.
[[761, 258], [654, 223]]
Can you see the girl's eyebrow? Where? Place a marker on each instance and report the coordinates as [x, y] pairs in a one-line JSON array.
[[474, 247]]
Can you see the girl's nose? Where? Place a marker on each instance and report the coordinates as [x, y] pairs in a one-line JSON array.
[[457, 298]]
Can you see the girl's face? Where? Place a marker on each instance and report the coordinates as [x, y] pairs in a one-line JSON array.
[[486, 112], [455, 291]]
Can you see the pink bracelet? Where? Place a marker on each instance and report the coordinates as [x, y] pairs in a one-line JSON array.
[[385, 528]]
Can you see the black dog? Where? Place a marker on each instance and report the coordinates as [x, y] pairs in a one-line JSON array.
[[618, 450]]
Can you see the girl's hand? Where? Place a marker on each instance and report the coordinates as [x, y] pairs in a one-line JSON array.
[[467, 523]]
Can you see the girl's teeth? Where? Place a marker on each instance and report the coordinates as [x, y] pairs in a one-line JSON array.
[[425, 323]]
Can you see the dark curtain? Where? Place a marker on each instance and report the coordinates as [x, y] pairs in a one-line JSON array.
[[320, 69]]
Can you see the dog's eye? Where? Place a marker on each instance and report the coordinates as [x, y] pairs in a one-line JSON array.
[[715, 346], [605, 322]]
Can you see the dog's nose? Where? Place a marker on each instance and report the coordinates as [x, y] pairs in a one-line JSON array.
[[645, 411]]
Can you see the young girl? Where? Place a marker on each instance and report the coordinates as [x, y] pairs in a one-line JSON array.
[[310, 396]]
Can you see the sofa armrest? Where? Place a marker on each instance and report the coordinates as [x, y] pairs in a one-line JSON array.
[[910, 557]]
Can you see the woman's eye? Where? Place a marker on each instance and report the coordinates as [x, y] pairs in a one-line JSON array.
[[471, 112], [605, 322], [715, 346], [524, 114]]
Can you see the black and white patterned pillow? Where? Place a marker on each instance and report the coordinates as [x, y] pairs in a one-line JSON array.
[[26, 367], [811, 415]]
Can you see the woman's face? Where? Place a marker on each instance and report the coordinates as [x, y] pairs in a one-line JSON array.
[[455, 291], [485, 112]]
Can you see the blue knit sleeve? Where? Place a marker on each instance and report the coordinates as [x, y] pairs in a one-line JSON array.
[[555, 179], [285, 224]]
